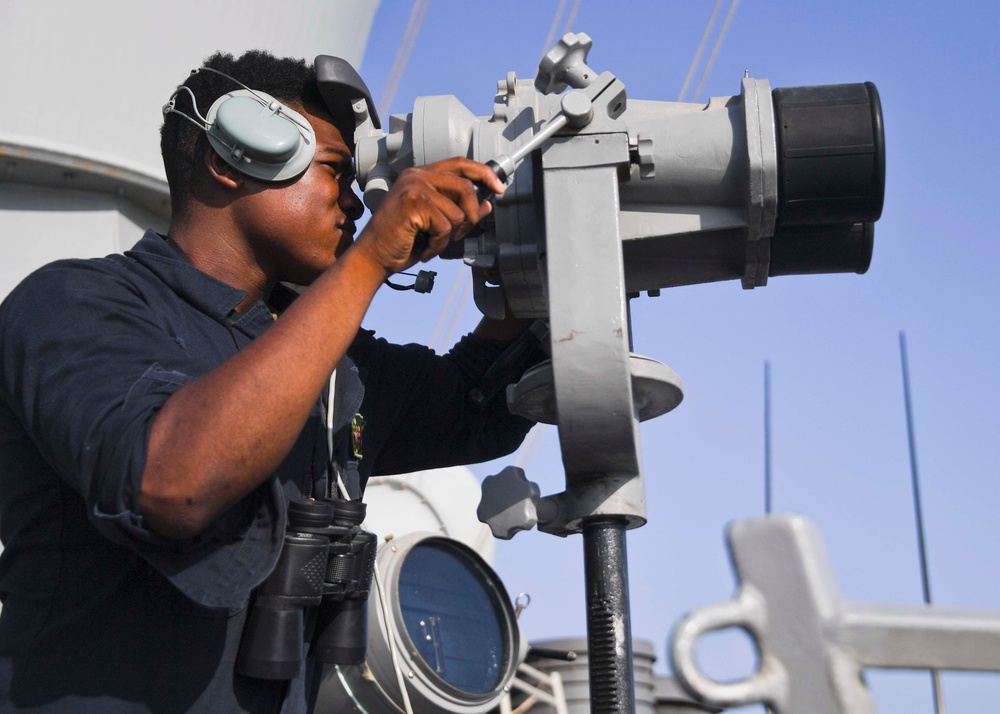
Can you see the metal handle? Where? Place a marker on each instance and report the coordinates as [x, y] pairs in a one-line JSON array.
[[768, 684]]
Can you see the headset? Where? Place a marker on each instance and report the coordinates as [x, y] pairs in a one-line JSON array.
[[252, 131], [261, 137]]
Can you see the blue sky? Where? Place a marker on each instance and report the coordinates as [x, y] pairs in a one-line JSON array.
[[839, 446]]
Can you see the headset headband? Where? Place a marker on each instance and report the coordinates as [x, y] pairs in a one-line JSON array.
[[253, 132]]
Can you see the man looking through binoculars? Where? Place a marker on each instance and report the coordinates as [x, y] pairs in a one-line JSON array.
[[159, 411]]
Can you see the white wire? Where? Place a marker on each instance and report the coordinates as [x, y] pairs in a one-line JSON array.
[[329, 421], [701, 48], [403, 485], [571, 17], [715, 50], [342, 488], [169, 108], [551, 38], [400, 679], [528, 448], [402, 55], [380, 589], [347, 688], [257, 95], [456, 283], [444, 343], [552, 30], [446, 339], [370, 676]]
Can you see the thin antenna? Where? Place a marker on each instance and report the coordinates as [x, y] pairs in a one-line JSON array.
[[918, 509], [767, 438], [767, 453]]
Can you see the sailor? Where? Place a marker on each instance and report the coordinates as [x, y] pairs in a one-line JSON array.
[[160, 409]]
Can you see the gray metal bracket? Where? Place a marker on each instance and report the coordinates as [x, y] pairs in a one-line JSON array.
[[813, 646], [510, 503], [584, 285]]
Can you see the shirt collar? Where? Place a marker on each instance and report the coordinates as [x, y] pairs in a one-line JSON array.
[[211, 296]]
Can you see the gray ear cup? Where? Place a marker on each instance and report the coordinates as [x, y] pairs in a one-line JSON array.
[[260, 136]]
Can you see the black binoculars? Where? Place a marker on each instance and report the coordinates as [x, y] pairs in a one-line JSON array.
[[326, 562]]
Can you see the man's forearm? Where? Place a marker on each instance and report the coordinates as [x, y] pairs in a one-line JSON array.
[[222, 435]]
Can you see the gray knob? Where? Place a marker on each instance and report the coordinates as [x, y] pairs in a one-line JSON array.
[[509, 503], [565, 64]]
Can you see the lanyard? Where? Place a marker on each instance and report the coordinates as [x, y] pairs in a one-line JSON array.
[[346, 481]]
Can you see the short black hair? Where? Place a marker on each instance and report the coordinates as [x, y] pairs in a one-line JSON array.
[[182, 143]]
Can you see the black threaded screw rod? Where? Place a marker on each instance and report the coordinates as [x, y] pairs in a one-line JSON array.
[[609, 628]]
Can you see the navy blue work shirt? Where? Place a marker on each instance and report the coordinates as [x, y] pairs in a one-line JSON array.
[[99, 612]]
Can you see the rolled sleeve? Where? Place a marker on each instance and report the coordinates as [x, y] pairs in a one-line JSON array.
[[219, 567], [88, 360]]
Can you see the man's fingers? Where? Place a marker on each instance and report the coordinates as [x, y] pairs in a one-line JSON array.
[[476, 172], [458, 189], [445, 221], [427, 208]]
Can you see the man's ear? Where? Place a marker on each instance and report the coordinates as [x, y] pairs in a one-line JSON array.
[[221, 171]]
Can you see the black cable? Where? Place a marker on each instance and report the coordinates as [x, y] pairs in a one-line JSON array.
[[423, 282], [917, 506], [767, 438], [918, 509]]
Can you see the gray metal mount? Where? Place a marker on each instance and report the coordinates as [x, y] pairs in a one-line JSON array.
[[510, 503], [656, 390], [693, 196], [615, 197], [813, 645]]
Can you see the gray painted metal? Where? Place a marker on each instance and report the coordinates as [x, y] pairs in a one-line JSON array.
[[758, 113], [563, 261], [813, 645], [656, 390], [510, 503], [374, 686], [654, 694], [572, 271], [591, 364], [39, 224], [36, 166], [697, 175], [598, 428]]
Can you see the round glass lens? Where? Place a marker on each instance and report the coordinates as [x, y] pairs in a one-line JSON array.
[[454, 617]]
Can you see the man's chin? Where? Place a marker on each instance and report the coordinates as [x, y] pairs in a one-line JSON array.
[[345, 243]]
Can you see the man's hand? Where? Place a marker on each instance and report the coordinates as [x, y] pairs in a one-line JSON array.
[[438, 200]]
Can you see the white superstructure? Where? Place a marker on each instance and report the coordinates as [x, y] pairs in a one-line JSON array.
[[83, 85]]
